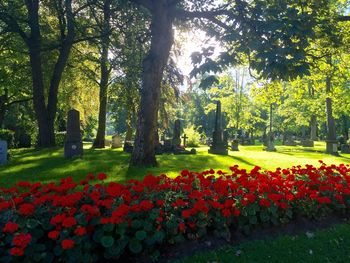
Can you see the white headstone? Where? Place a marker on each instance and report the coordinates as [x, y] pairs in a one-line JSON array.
[[117, 141], [3, 152]]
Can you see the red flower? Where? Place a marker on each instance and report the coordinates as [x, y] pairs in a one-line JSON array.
[[182, 227], [22, 240], [264, 202], [67, 243], [226, 212], [146, 205], [69, 222], [57, 219], [10, 227], [26, 209], [186, 213], [53, 234], [101, 176], [16, 251], [80, 231]]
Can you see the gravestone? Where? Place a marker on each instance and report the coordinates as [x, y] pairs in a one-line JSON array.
[[234, 145], [73, 145], [128, 146], [345, 148], [270, 143], [185, 139], [177, 133], [332, 147], [219, 143], [3, 152], [307, 143], [24, 141], [117, 141], [108, 143]]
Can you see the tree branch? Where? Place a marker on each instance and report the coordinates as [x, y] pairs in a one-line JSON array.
[[343, 18], [19, 101]]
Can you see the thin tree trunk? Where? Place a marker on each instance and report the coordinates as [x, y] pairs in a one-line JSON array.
[[153, 66], [331, 131], [345, 127], [105, 40]]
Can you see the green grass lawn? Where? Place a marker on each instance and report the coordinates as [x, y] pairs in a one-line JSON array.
[[48, 165], [326, 245]]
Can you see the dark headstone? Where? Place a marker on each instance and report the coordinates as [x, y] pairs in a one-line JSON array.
[[3, 152], [185, 139], [177, 133], [307, 143], [219, 143], [345, 148], [24, 141], [332, 147], [234, 145], [270, 143], [73, 145], [128, 146]]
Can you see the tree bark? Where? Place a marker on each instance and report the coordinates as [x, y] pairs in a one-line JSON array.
[[345, 127], [331, 131], [34, 46], [105, 40], [45, 114], [153, 66]]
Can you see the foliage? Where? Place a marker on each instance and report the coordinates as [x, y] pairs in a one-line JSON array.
[[60, 138], [9, 136], [60, 222], [194, 137]]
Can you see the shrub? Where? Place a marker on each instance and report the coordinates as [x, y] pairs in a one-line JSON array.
[[62, 222], [60, 138], [9, 136], [194, 137]]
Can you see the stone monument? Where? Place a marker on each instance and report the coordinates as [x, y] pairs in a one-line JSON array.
[[345, 148], [3, 152], [117, 141], [219, 143], [73, 145], [307, 143], [177, 133]]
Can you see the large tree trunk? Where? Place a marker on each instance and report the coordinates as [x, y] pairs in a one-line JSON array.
[[105, 40], [34, 46], [45, 115], [153, 66]]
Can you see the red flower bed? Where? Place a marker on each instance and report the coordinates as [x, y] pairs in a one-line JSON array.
[[65, 222]]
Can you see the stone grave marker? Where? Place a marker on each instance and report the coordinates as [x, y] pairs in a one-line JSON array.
[[117, 141], [345, 148], [185, 139], [219, 143], [3, 152], [73, 145], [177, 133], [307, 143]]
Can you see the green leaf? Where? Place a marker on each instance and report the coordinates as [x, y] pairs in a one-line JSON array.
[[289, 213], [253, 220], [108, 227], [136, 224], [135, 246], [141, 235], [107, 241], [32, 223]]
